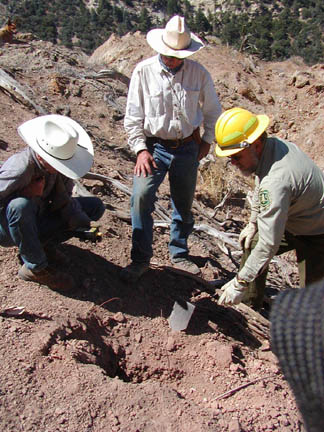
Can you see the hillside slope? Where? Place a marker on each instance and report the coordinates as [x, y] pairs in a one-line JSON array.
[[104, 357], [270, 30], [290, 92]]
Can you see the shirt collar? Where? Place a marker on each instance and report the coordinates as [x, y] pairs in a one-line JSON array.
[[165, 68], [39, 166], [262, 158]]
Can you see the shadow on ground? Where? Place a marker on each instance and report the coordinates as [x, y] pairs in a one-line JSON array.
[[154, 295]]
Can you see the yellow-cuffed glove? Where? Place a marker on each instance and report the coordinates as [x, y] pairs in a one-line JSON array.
[[233, 292], [247, 234]]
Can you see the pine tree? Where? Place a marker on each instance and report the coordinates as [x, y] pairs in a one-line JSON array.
[[145, 23], [173, 7]]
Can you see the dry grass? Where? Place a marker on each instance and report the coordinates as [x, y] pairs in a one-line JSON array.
[[220, 178]]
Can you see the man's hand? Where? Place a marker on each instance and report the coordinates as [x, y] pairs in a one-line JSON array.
[[35, 187], [233, 292], [247, 234], [204, 148], [144, 163]]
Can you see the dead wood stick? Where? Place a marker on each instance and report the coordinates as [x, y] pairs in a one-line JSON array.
[[94, 176], [234, 390], [109, 73], [105, 179], [224, 237], [254, 314], [16, 91], [220, 204]]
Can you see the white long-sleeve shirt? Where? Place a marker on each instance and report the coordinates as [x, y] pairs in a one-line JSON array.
[[170, 106], [289, 196]]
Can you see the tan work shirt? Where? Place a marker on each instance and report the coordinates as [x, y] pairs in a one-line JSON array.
[[289, 196]]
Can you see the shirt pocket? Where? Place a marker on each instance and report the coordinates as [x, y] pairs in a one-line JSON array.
[[154, 103], [191, 102]]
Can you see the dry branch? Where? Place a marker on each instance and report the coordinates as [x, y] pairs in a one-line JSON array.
[[226, 240], [17, 92], [109, 73], [221, 204], [234, 390], [224, 237], [105, 179]]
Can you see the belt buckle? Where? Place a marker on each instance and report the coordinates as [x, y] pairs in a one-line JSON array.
[[178, 144]]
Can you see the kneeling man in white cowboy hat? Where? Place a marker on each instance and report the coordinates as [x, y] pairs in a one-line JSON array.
[[36, 208], [169, 98]]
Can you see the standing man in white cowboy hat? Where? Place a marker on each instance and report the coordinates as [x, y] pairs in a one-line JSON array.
[[36, 208], [170, 98], [287, 209]]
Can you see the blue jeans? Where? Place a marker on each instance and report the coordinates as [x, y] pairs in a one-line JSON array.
[[21, 226], [182, 166]]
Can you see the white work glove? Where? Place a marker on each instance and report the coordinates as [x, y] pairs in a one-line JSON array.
[[233, 292], [247, 234]]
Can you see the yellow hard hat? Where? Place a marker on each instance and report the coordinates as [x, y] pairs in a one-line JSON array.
[[236, 129]]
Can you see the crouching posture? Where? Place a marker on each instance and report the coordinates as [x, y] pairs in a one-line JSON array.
[[37, 211], [287, 209]]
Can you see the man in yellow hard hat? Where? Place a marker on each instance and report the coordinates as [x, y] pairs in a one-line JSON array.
[[287, 206]]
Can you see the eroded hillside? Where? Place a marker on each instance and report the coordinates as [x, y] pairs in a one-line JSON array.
[[104, 358]]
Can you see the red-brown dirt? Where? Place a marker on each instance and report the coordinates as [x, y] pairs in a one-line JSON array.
[[104, 358]]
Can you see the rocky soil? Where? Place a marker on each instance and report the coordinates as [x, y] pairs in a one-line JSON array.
[[104, 357]]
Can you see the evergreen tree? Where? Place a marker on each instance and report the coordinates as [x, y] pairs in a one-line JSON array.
[[159, 5], [275, 30], [173, 7], [65, 36], [201, 23], [145, 22]]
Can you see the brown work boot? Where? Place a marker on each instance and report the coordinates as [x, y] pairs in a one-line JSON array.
[[186, 265], [134, 271], [54, 279]]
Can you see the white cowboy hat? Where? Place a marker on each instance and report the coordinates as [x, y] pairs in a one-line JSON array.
[[175, 39], [61, 142]]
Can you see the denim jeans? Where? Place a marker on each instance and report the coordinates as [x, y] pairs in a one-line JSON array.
[[21, 226], [182, 166]]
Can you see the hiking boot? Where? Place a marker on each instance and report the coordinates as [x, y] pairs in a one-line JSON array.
[[56, 280], [134, 271], [185, 265], [56, 256]]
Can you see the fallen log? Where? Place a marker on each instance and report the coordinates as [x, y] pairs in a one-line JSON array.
[[222, 236], [109, 73], [10, 86], [159, 210]]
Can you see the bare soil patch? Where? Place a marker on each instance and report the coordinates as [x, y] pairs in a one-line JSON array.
[[104, 357]]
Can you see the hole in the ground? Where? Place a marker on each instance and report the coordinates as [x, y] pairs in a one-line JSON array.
[[89, 341]]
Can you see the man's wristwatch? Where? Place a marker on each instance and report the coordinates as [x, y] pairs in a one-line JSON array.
[[243, 283]]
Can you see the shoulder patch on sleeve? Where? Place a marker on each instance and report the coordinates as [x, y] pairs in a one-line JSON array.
[[264, 199]]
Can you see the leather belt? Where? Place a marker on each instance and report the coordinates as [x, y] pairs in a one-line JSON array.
[[173, 144]]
